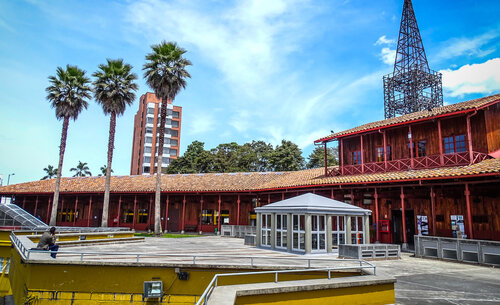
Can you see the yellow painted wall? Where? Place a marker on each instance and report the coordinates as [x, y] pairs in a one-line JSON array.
[[377, 294], [5, 259]]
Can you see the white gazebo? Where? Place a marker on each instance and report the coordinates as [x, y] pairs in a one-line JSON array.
[[310, 223]]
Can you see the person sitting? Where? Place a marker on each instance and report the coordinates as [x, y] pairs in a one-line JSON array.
[[48, 242]]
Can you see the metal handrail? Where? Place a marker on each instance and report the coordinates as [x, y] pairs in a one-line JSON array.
[[213, 283], [26, 254]]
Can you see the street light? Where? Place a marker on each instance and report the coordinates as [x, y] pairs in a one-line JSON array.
[[8, 178]]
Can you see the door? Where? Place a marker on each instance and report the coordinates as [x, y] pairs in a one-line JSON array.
[[173, 219], [397, 225]]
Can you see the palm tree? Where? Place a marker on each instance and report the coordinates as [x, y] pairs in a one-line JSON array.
[[165, 72], [81, 170], [114, 88], [68, 94], [104, 168], [50, 171]]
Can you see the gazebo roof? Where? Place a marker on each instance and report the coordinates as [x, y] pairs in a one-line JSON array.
[[312, 203]]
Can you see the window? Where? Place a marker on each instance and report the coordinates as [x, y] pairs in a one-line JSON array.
[[147, 149], [454, 144], [266, 230], [174, 143], [281, 231], [173, 152], [149, 120], [338, 230], [356, 157], [207, 217], [147, 159], [175, 123], [175, 114], [175, 133], [149, 140], [146, 169], [149, 130], [421, 148], [380, 154], [151, 111], [298, 232]]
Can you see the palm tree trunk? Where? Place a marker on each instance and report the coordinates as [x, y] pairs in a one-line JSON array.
[[111, 146], [62, 148], [163, 117]]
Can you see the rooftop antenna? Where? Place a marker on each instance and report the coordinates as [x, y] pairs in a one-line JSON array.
[[412, 86]]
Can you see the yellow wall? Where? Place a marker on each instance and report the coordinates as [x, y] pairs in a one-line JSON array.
[[379, 294]]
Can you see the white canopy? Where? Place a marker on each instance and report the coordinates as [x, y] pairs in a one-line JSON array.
[[312, 204]]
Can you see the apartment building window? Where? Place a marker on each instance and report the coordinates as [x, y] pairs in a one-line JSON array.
[[149, 120], [149, 130], [175, 123], [149, 140], [380, 154], [173, 152], [174, 143], [175, 133], [175, 114], [454, 144], [151, 111], [146, 169], [356, 157], [147, 149], [147, 159]]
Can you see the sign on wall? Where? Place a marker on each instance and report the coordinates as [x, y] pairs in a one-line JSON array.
[[422, 225]]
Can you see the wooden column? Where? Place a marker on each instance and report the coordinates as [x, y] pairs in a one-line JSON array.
[[49, 208], [167, 205], [183, 212], [135, 209], [469, 214], [90, 211], [201, 211], [268, 198], [326, 163], [440, 138], [24, 202], [352, 196], [385, 150], [283, 195], [341, 153], [238, 212], [433, 211], [403, 215], [74, 213], [218, 220], [62, 209], [469, 139], [149, 210], [119, 211], [36, 206], [362, 155], [332, 194], [411, 146], [377, 229]]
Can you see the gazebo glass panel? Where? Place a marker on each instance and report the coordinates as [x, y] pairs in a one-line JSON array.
[[338, 230], [298, 232], [357, 229], [318, 238], [266, 230], [281, 231]]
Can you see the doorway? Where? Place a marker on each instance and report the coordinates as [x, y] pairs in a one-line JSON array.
[[173, 219], [397, 227]]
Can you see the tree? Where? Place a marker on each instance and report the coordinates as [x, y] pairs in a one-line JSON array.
[[195, 160], [263, 152], [165, 72], [103, 169], [114, 88], [225, 158], [81, 170], [50, 171], [287, 157], [68, 94], [317, 157]]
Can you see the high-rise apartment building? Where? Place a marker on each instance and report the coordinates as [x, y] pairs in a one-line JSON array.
[[146, 127]]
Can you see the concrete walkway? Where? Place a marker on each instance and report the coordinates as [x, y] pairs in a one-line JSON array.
[[419, 281]]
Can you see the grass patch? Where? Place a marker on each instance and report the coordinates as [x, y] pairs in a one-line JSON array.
[[168, 235]]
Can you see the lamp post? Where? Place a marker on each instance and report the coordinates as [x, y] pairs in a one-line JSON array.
[[8, 178]]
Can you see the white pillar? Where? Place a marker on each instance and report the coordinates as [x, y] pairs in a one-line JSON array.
[[289, 235], [328, 233], [348, 239], [308, 237], [366, 230], [273, 230], [258, 232]]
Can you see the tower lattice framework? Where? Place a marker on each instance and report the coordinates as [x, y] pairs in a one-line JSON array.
[[412, 86]]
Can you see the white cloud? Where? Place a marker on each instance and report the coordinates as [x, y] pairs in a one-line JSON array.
[[468, 46], [475, 78], [388, 56], [384, 40]]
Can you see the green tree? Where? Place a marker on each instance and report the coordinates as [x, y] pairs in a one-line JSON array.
[[68, 93], [195, 160], [50, 171], [263, 152], [165, 72], [287, 157], [114, 88], [225, 158], [103, 169], [317, 157], [81, 170]]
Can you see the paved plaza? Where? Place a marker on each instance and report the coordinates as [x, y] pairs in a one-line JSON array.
[[419, 281]]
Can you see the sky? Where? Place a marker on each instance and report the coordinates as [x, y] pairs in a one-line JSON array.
[[262, 70]]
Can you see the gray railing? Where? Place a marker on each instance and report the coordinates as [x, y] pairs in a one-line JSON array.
[[237, 230], [213, 284]]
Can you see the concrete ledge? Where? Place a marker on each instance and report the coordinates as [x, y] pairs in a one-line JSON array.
[[226, 295]]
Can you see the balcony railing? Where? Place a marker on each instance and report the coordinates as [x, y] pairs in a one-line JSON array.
[[433, 161]]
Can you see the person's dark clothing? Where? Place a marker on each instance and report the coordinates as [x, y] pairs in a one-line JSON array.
[[47, 243]]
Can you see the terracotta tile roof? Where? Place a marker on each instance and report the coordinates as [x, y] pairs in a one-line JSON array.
[[420, 115], [233, 182]]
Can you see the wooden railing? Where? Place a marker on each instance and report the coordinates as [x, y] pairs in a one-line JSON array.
[[433, 161]]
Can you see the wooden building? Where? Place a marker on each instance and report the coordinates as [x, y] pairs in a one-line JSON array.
[[435, 172]]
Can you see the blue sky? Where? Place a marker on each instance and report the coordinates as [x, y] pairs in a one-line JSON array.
[[262, 70]]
